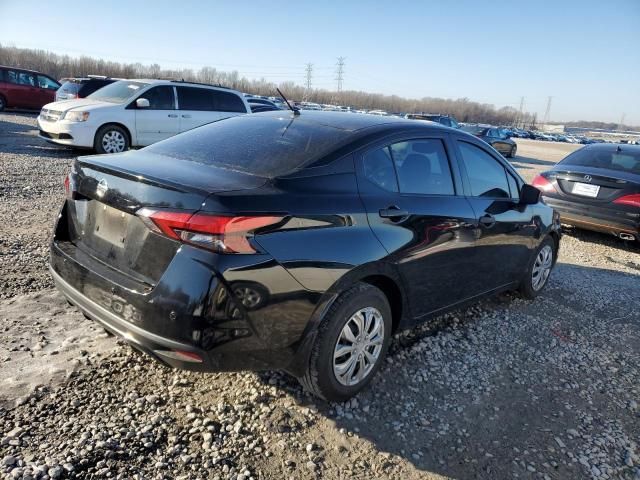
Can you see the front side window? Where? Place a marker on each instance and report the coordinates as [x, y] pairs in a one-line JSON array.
[[378, 169], [423, 167], [487, 177], [160, 98], [46, 82]]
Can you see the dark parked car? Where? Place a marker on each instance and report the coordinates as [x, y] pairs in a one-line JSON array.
[[298, 243], [494, 137], [263, 101], [446, 120], [259, 107], [20, 88], [597, 188], [82, 87]]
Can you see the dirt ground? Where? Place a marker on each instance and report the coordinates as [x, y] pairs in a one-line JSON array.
[[508, 388]]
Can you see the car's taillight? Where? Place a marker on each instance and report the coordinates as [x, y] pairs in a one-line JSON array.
[[69, 186], [219, 233], [542, 184], [632, 200]]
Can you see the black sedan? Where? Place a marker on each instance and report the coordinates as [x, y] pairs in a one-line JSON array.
[[292, 241], [494, 137], [597, 188]]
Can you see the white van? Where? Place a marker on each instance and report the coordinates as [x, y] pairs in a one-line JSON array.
[[136, 113]]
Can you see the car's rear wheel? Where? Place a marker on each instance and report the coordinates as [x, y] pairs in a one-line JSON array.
[[352, 342], [512, 152], [111, 139], [539, 269]]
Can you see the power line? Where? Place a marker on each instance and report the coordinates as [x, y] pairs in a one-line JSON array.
[[340, 73]]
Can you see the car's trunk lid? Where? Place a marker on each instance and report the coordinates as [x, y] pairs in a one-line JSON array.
[[594, 185]]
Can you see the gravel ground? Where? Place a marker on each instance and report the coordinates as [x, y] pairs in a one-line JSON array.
[[505, 389]]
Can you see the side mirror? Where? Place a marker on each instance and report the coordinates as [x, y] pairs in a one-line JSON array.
[[142, 103], [529, 195]]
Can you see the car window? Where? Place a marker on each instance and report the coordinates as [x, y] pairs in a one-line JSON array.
[[11, 76], [227, 102], [423, 167], [378, 168], [487, 177], [160, 98], [91, 86], [26, 79], [454, 124], [191, 98], [2, 75], [46, 82], [513, 186]]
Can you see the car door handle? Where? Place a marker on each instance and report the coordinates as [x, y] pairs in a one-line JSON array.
[[393, 212], [186, 116], [487, 220], [172, 115]]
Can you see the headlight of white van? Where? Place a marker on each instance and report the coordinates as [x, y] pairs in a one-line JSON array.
[[77, 116]]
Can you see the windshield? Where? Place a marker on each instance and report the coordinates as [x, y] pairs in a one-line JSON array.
[[624, 159], [266, 146], [117, 92]]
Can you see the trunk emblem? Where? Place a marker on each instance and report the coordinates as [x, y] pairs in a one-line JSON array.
[[102, 188], [586, 177]]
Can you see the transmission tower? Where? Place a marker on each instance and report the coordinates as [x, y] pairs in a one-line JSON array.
[[621, 126], [308, 77], [340, 73], [520, 122], [547, 111]]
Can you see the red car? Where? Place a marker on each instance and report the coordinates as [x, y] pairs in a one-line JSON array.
[[20, 88]]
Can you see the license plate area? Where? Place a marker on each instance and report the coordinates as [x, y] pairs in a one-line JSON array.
[[585, 189], [111, 225]]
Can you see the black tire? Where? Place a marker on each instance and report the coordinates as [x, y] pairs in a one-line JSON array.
[[528, 289], [319, 378], [512, 153], [103, 144], [3, 103]]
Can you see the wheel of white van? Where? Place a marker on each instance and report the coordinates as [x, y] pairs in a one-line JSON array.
[[111, 139], [351, 344], [539, 269]]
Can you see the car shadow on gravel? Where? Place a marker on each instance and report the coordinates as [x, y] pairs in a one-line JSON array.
[[522, 161], [492, 390], [22, 139], [605, 239]]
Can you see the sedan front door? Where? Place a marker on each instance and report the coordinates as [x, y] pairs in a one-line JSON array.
[[160, 119], [414, 202]]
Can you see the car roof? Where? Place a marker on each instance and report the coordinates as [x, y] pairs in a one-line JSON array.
[[341, 121], [23, 69]]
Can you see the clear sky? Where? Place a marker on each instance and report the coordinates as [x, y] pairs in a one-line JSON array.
[[585, 54]]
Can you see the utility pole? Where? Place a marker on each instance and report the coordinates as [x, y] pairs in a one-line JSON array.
[[340, 73], [621, 126], [520, 122], [547, 111], [308, 75]]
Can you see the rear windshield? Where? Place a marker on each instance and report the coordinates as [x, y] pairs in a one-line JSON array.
[[92, 85], [264, 145], [118, 92], [70, 87], [624, 159], [474, 129]]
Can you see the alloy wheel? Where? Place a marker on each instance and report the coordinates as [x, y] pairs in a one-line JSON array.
[[542, 267], [358, 347], [113, 141]]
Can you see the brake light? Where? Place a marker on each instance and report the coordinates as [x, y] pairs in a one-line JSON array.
[[69, 187], [632, 200], [542, 184], [222, 234]]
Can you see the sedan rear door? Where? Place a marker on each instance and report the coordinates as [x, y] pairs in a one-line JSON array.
[[415, 207]]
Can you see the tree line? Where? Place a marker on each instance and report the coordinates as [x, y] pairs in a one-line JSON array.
[[62, 66]]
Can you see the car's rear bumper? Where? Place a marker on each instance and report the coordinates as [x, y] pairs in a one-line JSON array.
[[607, 220]]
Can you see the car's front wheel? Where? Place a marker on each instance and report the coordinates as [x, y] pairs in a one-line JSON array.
[[352, 342], [512, 152], [539, 269], [111, 139]]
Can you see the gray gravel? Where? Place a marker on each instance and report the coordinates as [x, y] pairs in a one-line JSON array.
[[505, 389]]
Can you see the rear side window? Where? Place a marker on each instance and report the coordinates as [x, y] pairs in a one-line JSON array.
[[26, 79], [11, 76], [227, 102], [190, 98], [160, 98], [487, 176], [378, 169], [423, 167], [46, 82], [2, 75]]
